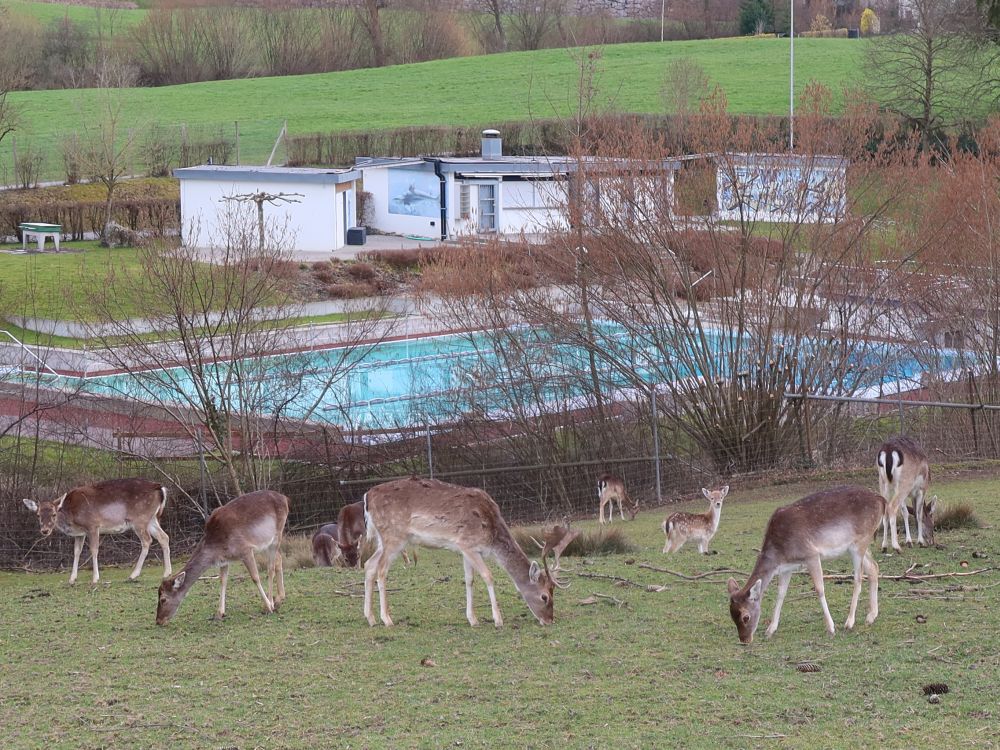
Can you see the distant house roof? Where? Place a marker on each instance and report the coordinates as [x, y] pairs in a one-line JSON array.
[[472, 166], [309, 175]]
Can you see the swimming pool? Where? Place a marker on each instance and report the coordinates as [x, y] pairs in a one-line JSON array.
[[436, 379]]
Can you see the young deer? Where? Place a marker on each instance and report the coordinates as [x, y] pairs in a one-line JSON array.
[[556, 539], [928, 515], [251, 523], [609, 489], [902, 472], [351, 530], [107, 507], [324, 544], [823, 525], [679, 527], [436, 514]]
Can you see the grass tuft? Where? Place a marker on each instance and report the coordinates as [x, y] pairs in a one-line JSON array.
[[297, 552], [956, 516], [588, 544]]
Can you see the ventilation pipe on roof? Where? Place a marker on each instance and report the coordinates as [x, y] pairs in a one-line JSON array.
[[492, 145]]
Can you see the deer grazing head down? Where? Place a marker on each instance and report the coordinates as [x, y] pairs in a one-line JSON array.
[[744, 608]]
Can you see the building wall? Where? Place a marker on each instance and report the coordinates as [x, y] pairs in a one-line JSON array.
[[386, 217], [315, 222]]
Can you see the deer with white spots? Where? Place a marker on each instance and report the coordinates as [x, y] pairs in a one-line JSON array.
[[701, 527], [254, 522], [824, 525], [902, 472], [108, 507], [436, 514]]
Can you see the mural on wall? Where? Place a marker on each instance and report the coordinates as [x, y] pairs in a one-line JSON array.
[[783, 188], [414, 192]]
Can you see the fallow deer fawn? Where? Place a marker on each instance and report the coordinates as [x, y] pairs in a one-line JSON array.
[[823, 525], [351, 532], [680, 527], [107, 507], [324, 544], [902, 472], [436, 514], [609, 489], [251, 523], [556, 539]]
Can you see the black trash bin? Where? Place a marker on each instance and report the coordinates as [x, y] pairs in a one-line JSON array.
[[357, 236]]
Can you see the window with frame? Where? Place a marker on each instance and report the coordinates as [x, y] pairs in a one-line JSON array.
[[464, 201]]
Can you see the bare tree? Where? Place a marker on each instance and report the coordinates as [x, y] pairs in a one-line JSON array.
[[492, 32], [937, 73], [531, 21], [685, 87], [368, 17]]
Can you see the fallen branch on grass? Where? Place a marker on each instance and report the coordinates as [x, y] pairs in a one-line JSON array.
[[720, 571], [908, 576]]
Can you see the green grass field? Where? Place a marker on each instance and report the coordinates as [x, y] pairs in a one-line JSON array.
[[87, 668], [106, 19], [461, 91]]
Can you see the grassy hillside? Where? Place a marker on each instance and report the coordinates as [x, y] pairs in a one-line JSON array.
[[472, 90], [108, 19], [637, 669]]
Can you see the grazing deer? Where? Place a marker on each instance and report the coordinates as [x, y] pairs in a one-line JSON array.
[[436, 514], [251, 523], [902, 473], [351, 530], [609, 489], [110, 507], [679, 527], [324, 544], [824, 525], [927, 516], [557, 538]]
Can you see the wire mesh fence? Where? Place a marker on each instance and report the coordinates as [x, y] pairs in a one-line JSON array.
[[659, 462]]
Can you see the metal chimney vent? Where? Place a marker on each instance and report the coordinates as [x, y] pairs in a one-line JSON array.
[[492, 144]]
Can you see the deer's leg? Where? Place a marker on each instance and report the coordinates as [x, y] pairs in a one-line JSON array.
[[906, 523], [918, 506], [145, 539], [381, 571], [77, 549], [223, 580], [783, 580], [816, 571], [857, 558], [94, 540], [279, 563], [164, 541], [484, 572], [470, 614], [885, 529], [271, 552], [620, 513], [370, 583], [600, 511], [251, 562], [871, 569]]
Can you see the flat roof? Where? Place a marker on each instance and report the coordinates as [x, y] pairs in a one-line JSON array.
[[312, 175], [503, 165]]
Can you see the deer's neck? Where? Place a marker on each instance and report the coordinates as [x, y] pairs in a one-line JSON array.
[[200, 561], [714, 514], [764, 570], [512, 559]]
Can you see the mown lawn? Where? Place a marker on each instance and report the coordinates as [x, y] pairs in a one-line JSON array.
[[478, 90], [88, 668]]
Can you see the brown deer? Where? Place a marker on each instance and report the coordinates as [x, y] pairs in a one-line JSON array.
[[609, 489], [928, 515], [324, 544], [351, 531], [108, 507], [251, 523], [824, 525], [556, 539], [436, 514], [679, 527], [902, 472]]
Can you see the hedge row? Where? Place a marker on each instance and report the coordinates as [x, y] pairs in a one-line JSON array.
[[156, 215]]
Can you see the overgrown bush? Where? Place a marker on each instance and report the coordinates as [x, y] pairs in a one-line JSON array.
[[958, 515]]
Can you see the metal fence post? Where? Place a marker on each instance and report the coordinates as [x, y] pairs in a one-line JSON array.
[[656, 441], [430, 453]]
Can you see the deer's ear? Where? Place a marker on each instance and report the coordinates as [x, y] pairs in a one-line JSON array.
[[534, 572], [755, 591], [732, 586], [706, 493], [30, 505], [179, 580], [60, 501], [725, 490]]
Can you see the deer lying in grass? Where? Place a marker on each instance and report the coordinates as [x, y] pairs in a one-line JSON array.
[[824, 525], [437, 514], [609, 489], [251, 523], [107, 507], [902, 472], [351, 532], [680, 527], [324, 545], [556, 539]]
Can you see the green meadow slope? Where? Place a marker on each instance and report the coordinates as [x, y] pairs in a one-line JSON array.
[[462, 91]]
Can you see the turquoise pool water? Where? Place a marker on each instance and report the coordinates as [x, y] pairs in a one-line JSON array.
[[430, 380]]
